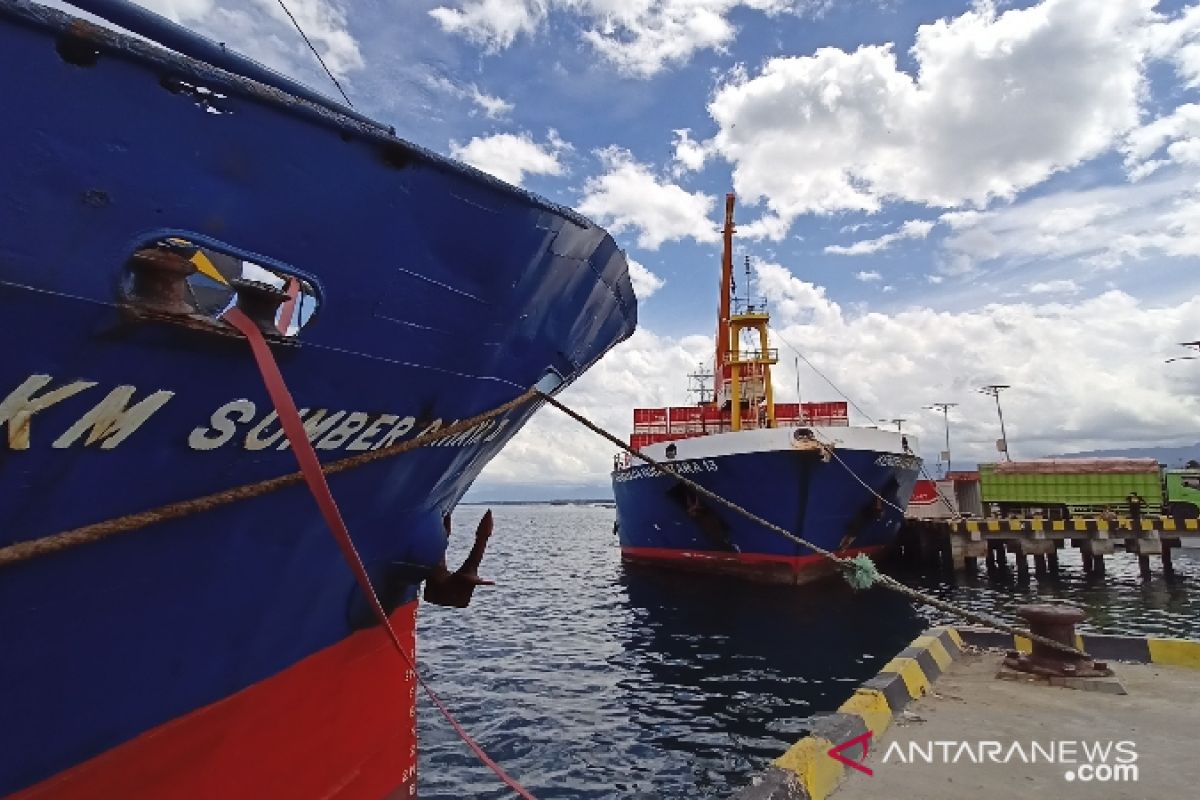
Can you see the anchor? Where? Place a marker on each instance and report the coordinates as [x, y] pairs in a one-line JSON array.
[[454, 589]]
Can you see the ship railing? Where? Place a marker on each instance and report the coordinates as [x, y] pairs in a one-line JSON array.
[[768, 356], [746, 306]]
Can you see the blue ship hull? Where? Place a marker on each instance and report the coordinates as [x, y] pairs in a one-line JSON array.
[[443, 294], [661, 521]]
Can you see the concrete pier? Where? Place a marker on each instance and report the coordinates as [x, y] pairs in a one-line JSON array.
[[946, 719], [1157, 718], [959, 544]]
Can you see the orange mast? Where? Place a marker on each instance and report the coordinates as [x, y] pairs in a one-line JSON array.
[[726, 291]]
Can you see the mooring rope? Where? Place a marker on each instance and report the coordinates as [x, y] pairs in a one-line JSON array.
[[94, 532], [859, 571], [314, 476]]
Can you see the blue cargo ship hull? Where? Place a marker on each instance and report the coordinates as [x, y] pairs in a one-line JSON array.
[[849, 504], [442, 293]]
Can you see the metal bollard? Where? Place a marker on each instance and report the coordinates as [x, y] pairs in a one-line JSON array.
[[1055, 622]]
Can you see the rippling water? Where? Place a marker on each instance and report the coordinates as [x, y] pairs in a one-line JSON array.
[[588, 679]]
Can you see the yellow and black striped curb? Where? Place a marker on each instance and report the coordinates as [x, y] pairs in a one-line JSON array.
[[1138, 649], [1088, 525], [807, 771]]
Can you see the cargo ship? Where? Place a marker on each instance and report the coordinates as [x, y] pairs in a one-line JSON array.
[[801, 466], [152, 184]]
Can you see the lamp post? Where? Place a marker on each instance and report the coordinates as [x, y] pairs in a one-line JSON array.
[[994, 390], [945, 409], [899, 422]]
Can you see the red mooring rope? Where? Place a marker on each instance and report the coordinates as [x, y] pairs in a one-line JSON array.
[[293, 426]]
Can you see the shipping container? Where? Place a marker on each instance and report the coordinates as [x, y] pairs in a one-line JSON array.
[[787, 411], [650, 420]]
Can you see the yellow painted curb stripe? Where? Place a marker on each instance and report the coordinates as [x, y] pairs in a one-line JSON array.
[[911, 673], [958, 640], [872, 707], [1180, 652], [809, 760], [935, 648]]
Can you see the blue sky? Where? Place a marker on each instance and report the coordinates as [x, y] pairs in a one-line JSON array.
[[934, 195]]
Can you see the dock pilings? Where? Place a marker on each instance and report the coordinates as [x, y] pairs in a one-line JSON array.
[[958, 545]]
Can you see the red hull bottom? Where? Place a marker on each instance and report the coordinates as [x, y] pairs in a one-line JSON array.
[[340, 723], [753, 566]]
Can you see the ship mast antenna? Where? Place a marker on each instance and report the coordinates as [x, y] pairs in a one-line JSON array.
[[699, 384], [723, 297]]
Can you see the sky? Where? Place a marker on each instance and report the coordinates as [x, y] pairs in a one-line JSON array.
[[933, 196]]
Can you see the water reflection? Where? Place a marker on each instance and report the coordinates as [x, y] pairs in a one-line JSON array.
[[727, 674], [587, 679]]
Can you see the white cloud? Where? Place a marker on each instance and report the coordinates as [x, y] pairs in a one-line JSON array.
[[629, 196], [639, 37], [1108, 389], [998, 103], [510, 157], [262, 30], [868, 276], [1179, 41], [1178, 132], [494, 24], [912, 229], [1063, 286], [493, 107], [645, 282], [690, 155], [1102, 227]]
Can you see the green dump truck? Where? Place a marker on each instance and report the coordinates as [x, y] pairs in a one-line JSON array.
[[1061, 488]]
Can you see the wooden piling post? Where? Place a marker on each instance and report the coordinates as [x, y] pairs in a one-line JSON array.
[[1022, 561]]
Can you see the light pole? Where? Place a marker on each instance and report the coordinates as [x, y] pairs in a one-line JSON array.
[[898, 422], [945, 409], [994, 389]]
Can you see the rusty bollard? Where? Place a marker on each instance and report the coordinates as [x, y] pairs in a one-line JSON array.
[[260, 302], [160, 281], [1056, 622]]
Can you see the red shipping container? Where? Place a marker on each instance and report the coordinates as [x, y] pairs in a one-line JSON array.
[[787, 410]]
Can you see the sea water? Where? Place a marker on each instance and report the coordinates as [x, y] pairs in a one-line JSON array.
[[585, 678]]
